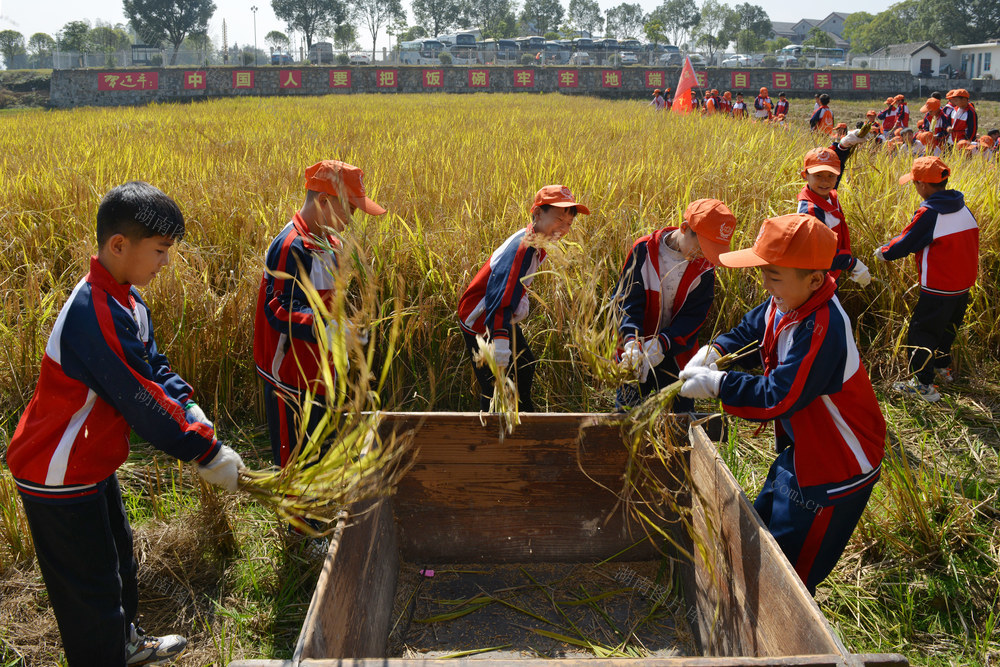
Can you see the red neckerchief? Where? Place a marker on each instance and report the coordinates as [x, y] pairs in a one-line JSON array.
[[768, 350], [310, 240], [831, 206]]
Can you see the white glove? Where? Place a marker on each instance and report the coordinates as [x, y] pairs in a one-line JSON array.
[[223, 470], [851, 139], [501, 352], [699, 382], [878, 254], [632, 354], [860, 273], [352, 334], [521, 311], [194, 413], [653, 350], [705, 357]]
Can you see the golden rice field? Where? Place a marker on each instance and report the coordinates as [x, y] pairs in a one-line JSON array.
[[457, 174]]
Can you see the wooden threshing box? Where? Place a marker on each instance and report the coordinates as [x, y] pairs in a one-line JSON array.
[[536, 497]]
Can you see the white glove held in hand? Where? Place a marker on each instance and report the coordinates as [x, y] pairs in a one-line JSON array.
[[653, 349], [501, 352], [852, 139], [860, 273], [521, 311], [700, 382], [705, 357], [194, 413], [878, 254], [632, 355], [223, 470]]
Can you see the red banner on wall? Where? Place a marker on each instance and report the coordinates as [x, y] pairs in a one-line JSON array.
[[128, 81]]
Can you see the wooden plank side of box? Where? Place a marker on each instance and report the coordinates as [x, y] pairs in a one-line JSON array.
[[545, 492], [750, 600]]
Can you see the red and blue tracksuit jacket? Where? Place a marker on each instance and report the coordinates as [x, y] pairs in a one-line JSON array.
[[962, 123], [285, 349], [102, 376], [889, 118], [944, 238], [496, 292], [940, 121], [830, 213], [903, 115], [815, 388], [639, 295], [781, 107]]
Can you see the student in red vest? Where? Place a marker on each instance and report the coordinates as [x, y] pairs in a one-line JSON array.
[[888, 118], [664, 295], [739, 107], [762, 105], [726, 105], [902, 112], [935, 121], [782, 106], [964, 122], [822, 118]]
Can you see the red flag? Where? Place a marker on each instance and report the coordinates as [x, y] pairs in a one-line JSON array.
[[682, 100]]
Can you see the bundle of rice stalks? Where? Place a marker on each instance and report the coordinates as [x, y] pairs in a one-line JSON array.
[[344, 459]]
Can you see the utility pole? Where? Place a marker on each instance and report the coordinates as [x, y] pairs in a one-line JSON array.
[[225, 44], [253, 9]]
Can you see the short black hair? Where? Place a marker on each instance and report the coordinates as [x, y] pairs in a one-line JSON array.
[[937, 95], [993, 133], [805, 273], [138, 210], [544, 208], [824, 99]]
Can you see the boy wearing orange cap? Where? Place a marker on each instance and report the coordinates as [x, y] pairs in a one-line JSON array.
[[658, 102], [726, 105], [782, 106], [663, 296], [829, 431], [935, 121], [962, 117], [762, 105], [496, 300], [910, 143], [943, 237], [822, 118], [888, 117], [739, 107], [285, 344], [902, 111]]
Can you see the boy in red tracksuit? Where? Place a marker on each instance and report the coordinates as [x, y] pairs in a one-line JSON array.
[[762, 105], [888, 118], [285, 345], [943, 237], [101, 377], [822, 170], [829, 431], [663, 296], [935, 120], [902, 112], [963, 122], [739, 107], [782, 106], [496, 300]]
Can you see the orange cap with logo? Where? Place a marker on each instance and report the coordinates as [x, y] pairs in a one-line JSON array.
[[557, 195], [820, 159], [840, 126], [958, 92], [927, 169], [763, 92], [899, 98], [889, 101], [796, 240], [871, 114], [340, 179], [986, 140], [714, 224], [932, 104], [925, 137]]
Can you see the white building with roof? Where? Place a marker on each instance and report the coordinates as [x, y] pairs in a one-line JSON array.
[[977, 59], [917, 58]]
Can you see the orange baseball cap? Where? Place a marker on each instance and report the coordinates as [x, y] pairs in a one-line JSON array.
[[962, 143], [656, 91], [871, 113], [557, 195], [840, 126], [899, 98], [714, 224], [763, 91], [986, 140], [796, 240], [889, 100], [927, 169], [727, 95], [821, 159], [958, 92], [932, 104], [341, 179], [925, 137]]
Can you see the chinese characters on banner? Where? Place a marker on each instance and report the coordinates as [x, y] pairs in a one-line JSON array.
[[479, 78], [739, 80], [568, 78], [862, 82], [823, 81], [524, 78], [611, 78], [385, 78], [781, 80], [656, 79], [340, 78], [128, 81], [290, 78], [702, 79], [195, 80], [243, 79], [433, 78]]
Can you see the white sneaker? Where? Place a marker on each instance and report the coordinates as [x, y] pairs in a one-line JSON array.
[[927, 392], [143, 649], [945, 375]]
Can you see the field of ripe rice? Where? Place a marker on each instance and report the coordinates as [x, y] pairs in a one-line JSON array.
[[457, 174]]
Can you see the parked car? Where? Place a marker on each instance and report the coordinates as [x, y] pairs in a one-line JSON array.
[[671, 58], [281, 59], [579, 58], [627, 58], [787, 61], [360, 59], [736, 61]]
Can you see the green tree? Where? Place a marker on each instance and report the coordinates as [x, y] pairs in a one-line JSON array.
[[494, 18], [777, 44], [107, 39], [311, 17], [625, 21], [11, 45], [74, 37], [412, 33], [751, 27], [168, 20], [374, 14], [747, 41], [277, 40], [584, 16], [542, 15], [679, 18], [653, 30], [437, 16], [345, 38], [714, 29], [819, 39], [854, 27], [40, 46]]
